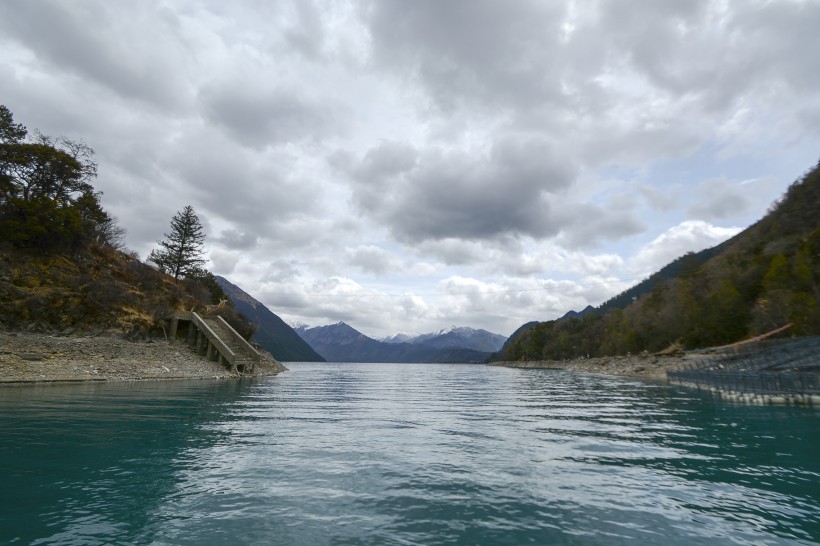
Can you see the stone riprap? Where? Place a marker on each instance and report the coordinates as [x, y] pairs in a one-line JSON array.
[[645, 366]]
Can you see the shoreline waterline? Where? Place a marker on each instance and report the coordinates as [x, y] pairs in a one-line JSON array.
[[645, 366], [27, 358]]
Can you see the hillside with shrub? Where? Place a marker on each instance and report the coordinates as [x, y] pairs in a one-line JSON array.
[[762, 279], [62, 266]]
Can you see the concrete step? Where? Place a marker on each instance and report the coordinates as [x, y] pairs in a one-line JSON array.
[[228, 337]]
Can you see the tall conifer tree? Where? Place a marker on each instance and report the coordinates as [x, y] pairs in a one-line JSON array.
[[181, 252]]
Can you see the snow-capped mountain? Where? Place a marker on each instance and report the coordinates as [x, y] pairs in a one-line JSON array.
[[462, 336], [401, 337], [342, 343]]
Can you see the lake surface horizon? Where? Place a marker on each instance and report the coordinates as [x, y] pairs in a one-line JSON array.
[[403, 454]]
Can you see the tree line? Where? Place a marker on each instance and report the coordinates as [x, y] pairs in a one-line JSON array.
[[46, 197]]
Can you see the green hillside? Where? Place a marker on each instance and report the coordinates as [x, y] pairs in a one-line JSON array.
[[763, 278]]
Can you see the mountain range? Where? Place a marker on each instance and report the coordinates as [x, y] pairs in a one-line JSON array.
[[455, 336], [343, 343]]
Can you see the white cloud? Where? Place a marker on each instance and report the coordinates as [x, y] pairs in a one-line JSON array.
[[223, 261], [372, 259], [689, 236]]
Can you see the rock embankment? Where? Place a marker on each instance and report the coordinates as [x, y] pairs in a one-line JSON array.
[[644, 366], [30, 357]]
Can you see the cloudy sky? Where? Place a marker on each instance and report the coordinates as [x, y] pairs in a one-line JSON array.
[[409, 165]]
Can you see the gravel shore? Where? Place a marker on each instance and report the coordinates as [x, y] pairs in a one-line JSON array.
[[644, 366], [30, 357]]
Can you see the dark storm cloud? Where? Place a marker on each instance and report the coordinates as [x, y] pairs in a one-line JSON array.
[[386, 161], [719, 199], [775, 37], [437, 195], [307, 34], [654, 37], [710, 54], [451, 251], [255, 193], [714, 54], [382, 170], [281, 271], [116, 55], [660, 200], [371, 259], [622, 81], [588, 225], [235, 240], [499, 52], [259, 116]]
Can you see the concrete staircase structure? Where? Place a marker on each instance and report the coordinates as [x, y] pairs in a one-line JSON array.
[[216, 340]]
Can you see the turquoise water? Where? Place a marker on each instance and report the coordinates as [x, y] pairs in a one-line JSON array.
[[403, 454]]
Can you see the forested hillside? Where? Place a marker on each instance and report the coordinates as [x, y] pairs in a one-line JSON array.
[[62, 265], [762, 279]]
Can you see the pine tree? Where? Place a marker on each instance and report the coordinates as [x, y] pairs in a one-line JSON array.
[[181, 252], [10, 132]]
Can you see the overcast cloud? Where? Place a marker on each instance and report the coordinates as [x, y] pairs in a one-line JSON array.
[[405, 166]]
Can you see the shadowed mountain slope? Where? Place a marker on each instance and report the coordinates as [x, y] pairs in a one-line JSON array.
[[272, 333]]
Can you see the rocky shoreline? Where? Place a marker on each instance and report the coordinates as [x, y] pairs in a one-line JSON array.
[[644, 366], [34, 358]]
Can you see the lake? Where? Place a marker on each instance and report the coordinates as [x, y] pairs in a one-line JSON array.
[[403, 454]]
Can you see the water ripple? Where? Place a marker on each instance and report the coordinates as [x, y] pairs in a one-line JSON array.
[[404, 454]]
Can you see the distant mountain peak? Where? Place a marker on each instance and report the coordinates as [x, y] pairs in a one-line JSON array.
[[455, 336], [328, 338], [400, 337]]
